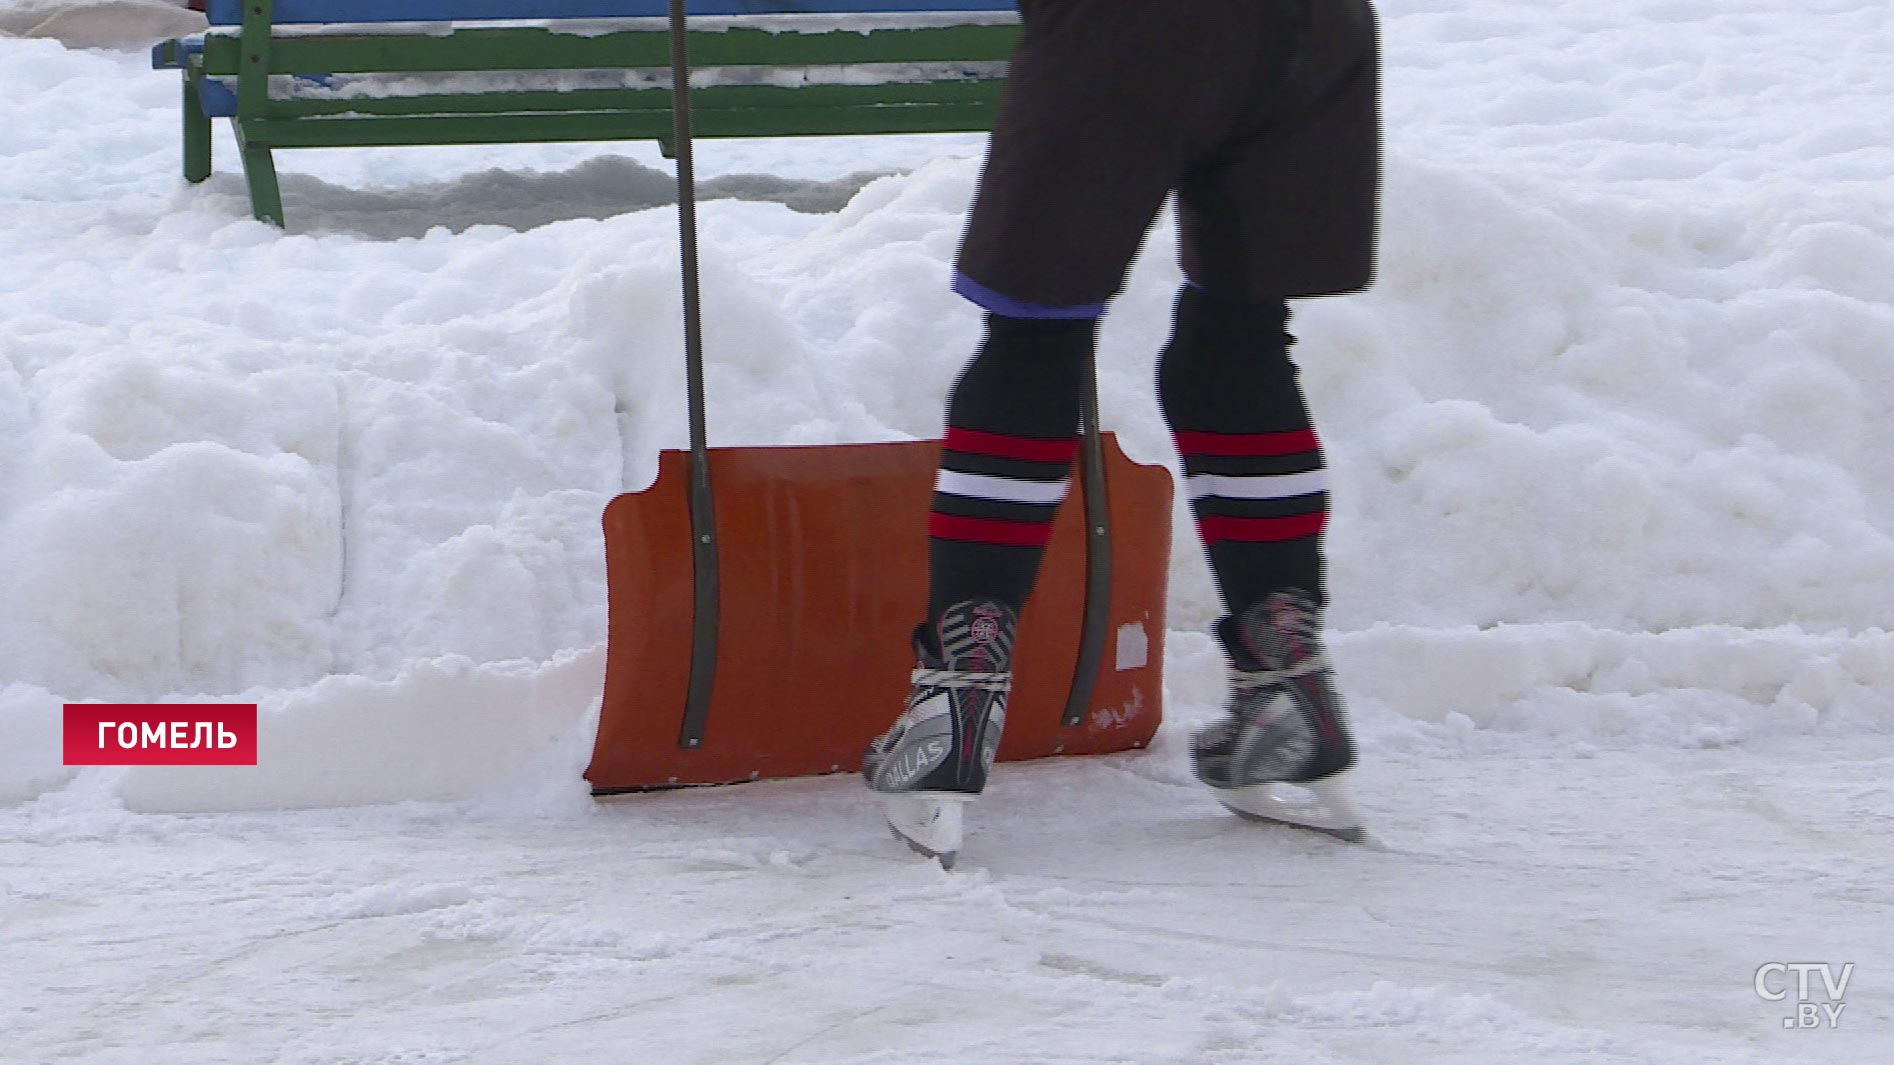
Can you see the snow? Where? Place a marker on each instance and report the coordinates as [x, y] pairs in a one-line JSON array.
[[396, 86], [1612, 560], [125, 24]]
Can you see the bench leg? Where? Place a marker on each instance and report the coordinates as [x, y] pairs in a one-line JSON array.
[[259, 169], [196, 135]]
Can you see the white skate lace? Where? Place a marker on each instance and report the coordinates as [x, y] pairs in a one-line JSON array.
[[963, 679], [1252, 680]]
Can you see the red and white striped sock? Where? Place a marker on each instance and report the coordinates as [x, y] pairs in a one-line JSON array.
[[1006, 461], [1261, 503], [998, 489], [1253, 467]]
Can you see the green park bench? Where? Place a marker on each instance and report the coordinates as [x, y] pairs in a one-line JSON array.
[[360, 73]]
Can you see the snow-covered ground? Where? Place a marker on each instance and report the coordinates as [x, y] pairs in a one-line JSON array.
[[121, 24], [1613, 559]]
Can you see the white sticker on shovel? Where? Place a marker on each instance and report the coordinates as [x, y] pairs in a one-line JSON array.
[[1134, 647]]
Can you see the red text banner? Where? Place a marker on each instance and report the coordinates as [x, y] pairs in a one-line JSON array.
[[161, 734]]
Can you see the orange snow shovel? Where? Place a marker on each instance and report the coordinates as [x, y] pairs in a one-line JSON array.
[[762, 630]]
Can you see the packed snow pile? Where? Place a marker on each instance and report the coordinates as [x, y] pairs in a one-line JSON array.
[[126, 25]]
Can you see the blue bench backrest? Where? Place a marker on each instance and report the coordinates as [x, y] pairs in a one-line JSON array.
[[230, 12]]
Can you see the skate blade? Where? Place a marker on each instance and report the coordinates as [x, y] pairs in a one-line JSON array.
[[1323, 806], [929, 822]]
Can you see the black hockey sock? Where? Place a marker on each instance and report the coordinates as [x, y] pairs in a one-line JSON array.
[[1253, 466], [1006, 461]]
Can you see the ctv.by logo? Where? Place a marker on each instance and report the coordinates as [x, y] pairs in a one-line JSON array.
[[1775, 980]]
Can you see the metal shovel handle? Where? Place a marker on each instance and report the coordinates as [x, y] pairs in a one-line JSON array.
[[703, 512]]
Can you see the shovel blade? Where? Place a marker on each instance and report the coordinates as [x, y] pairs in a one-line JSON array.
[[823, 573]]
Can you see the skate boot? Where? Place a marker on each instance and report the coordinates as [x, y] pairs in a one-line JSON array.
[[935, 758], [1282, 751]]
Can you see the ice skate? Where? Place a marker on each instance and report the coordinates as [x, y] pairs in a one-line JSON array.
[[935, 758], [930, 823], [1282, 751]]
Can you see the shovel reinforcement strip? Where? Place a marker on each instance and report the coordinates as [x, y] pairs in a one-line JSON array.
[[1097, 556], [703, 511]]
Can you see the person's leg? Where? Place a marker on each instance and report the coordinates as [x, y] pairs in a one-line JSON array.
[[1252, 465], [1284, 205], [1061, 209], [1006, 461], [1259, 492], [1285, 208]]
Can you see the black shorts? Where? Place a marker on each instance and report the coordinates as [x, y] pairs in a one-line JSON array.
[[1261, 115]]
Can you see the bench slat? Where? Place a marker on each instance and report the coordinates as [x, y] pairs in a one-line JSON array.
[[230, 12], [535, 48], [891, 97], [653, 124]]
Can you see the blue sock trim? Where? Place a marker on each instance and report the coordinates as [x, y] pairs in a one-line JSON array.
[[1008, 307]]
